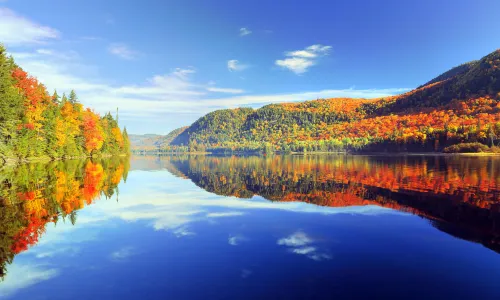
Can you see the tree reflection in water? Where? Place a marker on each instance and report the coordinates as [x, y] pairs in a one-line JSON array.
[[458, 195], [34, 195]]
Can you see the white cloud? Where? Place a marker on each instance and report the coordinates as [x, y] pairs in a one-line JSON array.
[[298, 238], [299, 61], [234, 65], [122, 51], [122, 253], [71, 250], [299, 243], [236, 240], [225, 214], [297, 65], [173, 97], [245, 31], [182, 231], [320, 256], [16, 30], [225, 90], [173, 209], [21, 276], [304, 250]]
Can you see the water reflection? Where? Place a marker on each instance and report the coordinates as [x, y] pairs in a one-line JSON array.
[[459, 195], [259, 227], [34, 195]]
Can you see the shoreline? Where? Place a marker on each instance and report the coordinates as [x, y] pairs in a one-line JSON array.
[[325, 153], [9, 161]]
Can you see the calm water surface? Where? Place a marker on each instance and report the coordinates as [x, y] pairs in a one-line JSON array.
[[281, 227]]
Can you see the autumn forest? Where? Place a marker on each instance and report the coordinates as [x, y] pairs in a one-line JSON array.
[[458, 111], [35, 124]]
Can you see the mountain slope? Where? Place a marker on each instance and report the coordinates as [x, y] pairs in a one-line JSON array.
[[145, 142], [461, 105]]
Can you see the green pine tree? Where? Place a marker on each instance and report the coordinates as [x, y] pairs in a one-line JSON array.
[[55, 97], [11, 104], [73, 99]]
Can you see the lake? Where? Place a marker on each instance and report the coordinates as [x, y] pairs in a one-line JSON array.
[[277, 227]]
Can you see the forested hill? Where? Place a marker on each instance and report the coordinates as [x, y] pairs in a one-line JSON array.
[[460, 106], [35, 124]]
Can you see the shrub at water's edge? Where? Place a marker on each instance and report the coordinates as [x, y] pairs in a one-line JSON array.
[[459, 106], [36, 125], [471, 148]]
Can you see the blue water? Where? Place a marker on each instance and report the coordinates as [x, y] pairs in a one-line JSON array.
[[166, 238]]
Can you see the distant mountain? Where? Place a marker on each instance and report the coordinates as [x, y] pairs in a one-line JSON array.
[[154, 141], [145, 141], [460, 106], [174, 134]]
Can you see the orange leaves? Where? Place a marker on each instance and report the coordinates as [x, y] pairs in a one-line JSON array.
[[92, 131], [29, 235], [416, 127], [92, 183], [118, 136], [71, 192], [36, 98]]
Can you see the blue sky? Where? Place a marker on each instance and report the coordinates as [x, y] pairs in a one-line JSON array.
[[166, 63]]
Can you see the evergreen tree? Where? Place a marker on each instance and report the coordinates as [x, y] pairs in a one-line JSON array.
[[64, 99], [11, 107], [126, 141], [73, 99], [55, 97]]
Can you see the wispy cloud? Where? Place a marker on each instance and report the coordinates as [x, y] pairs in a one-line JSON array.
[[70, 250], [16, 30], [299, 61], [225, 90], [300, 243], [298, 238], [122, 51], [182, 232], [68, 55], [304, 250], [245, 31], [225, 214], [22, 276], [171, 98], [122, 254], [236, 240], [234, 65], [91, 38]]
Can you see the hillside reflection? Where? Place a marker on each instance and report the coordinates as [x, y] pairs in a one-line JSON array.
[[33, 195], [459, 195]]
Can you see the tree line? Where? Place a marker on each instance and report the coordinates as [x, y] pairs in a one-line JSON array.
[[34, 123]]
